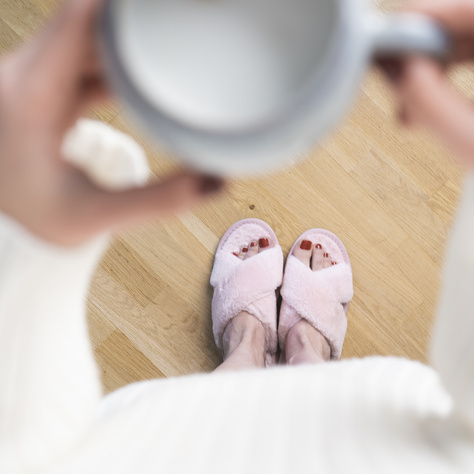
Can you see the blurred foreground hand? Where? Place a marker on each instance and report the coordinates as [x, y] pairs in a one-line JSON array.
[[45, 87], [426, 97]]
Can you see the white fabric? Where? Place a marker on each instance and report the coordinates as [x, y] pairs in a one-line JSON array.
[[375, 415], [112, 159]]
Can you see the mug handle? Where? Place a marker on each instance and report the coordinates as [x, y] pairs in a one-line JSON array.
[[398, 34]]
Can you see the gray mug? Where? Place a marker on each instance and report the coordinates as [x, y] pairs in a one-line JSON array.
[[236, 87]]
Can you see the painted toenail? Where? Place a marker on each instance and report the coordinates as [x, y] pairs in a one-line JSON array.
[[333, 263], [253, 244], [318, 246], [306, 245], [263, 243], [235, 253], [326, 255], [245, 249]]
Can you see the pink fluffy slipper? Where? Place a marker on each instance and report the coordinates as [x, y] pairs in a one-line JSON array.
[[247, 285], [320, 297]]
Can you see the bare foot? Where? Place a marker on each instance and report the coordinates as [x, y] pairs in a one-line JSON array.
[[243, 340], [304, 343]]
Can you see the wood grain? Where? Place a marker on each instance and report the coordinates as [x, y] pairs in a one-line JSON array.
[[388, 193]]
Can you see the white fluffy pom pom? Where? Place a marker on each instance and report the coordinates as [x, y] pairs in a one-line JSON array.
[[111, 159]]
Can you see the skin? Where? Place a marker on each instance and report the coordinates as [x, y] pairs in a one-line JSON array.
[[51, 81], [243, 340], [68, 209], [426, 99], [45, 87]]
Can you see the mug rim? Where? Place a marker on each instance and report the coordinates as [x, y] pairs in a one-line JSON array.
[[246, 151]]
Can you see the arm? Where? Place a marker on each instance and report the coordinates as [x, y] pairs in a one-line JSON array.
[[53, 226], [44, 88], [427, 99]]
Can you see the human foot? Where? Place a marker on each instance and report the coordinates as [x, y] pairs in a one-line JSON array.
[[304, 343], [243, 341], [316, 290], [247, 270]]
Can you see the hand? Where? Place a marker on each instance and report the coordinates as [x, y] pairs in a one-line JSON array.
[[425, 94], [44, 88]]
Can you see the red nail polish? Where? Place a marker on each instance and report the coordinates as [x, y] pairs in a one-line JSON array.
[[263, 243], [333, 263], [253, 244], [326, 255], [306, 245], [211, 184], [318, 246], [235, 253], [245, 249], [393, 68]]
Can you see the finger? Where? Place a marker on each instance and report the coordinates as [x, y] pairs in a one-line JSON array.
[[94, 89], [464, 48], [392, 67], [106, 210], [75, 20], [428, 99], [457, 16], [68, 44], [404, 118]]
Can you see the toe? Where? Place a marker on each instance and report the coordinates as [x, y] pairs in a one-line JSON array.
[[303, 250], [253, 249], [264, 244], [318, 258], [243, 251], [326, 260]]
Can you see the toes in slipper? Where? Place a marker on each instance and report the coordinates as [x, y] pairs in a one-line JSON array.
[[249, 284], [320, 297]]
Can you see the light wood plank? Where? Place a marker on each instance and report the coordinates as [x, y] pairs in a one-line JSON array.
[[129, 364], [388, 193]]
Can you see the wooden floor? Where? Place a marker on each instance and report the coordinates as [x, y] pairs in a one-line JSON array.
[[388, 194]]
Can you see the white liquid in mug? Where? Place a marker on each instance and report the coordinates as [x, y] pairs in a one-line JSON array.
[[224, 64]]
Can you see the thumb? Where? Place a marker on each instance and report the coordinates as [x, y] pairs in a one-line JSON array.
[[428, 99], [114, 210]]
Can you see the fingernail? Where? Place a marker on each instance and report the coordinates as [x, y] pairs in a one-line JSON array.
[[325, 255], [333, 263], [392, 67], [211, 185], [235, 253], [253, 244], [318, 246], [404, 118], [263, 243], [306, 245], [245, 249]]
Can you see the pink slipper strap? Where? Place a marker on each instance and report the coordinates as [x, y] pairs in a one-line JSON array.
[[319, 297], [247, 285]]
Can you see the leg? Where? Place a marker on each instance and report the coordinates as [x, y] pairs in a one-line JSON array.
[[244, 343], [305, 344]]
